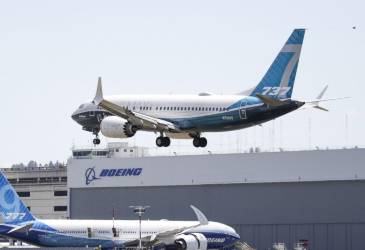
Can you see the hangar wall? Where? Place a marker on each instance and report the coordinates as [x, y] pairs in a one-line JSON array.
[[329, 212], [330, 215]]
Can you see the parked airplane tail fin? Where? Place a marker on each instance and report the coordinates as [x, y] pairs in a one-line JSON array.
[[12, 209], [278, 82]]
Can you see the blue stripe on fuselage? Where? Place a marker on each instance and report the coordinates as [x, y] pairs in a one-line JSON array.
[[41, 237], [231, 119]]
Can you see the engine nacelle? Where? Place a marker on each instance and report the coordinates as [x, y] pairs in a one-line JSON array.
[[117, 127], [194, 241]]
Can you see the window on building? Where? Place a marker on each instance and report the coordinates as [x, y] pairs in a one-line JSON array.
[[60, 193], [12, 180], [60, 208], [64, 179], [24, 194], [28, 180]]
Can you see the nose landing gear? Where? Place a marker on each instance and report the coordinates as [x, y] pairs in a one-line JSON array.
[[96, 141]]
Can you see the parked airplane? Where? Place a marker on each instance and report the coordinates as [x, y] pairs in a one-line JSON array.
[[188, 116], [20, 224]]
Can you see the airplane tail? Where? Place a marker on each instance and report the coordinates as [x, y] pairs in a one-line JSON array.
[[278, 82], [12, 209]]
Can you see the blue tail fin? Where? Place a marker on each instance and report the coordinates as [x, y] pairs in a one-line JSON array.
[[278, 81], [12, 209]]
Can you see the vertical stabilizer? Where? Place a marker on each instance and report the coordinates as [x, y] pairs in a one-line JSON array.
[[278, 82], [12, 209]]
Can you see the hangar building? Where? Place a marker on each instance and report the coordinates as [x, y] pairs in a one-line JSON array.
[[312, 196]]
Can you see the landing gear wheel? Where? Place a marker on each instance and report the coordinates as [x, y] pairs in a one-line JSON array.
[[203, 142], [200, 142], [166, 141], [96, 141], [196, 142], [163, 141], [159, 141]]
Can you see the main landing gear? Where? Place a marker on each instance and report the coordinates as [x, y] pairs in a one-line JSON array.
[[200, 142], [163, 141]]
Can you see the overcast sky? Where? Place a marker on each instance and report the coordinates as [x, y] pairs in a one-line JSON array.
[[51, 53]]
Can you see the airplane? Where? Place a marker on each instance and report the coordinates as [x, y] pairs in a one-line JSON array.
[[20, 224], [188, 116]]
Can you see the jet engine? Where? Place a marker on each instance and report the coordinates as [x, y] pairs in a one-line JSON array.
[[117, 127], [194, 241]]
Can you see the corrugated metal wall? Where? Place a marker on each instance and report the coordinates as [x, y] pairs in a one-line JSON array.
[[330, 215]]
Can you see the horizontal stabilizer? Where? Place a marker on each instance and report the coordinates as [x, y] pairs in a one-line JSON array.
[[320, 108], [22, 229], [270, 101]]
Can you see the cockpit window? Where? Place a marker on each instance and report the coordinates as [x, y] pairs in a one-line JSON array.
[[81, 106]]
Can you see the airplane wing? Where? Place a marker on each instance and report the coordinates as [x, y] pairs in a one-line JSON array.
[[152, 239], [138, 119]]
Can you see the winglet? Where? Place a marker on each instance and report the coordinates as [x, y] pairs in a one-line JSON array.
[[319, 97], [99, 93], [200, 216], [322, 92]]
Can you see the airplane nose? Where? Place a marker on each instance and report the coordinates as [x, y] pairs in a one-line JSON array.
[[75, 115]]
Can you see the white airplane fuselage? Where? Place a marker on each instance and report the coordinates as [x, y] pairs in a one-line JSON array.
[[188, 116]]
